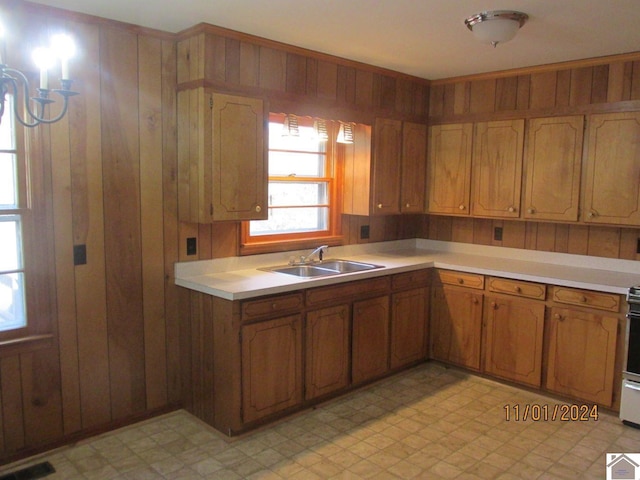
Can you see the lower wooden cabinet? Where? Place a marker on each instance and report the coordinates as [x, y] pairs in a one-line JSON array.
[[327, 345], [409, 313], [456, 325], [271, 366], [513, 336], [370, 342], [582, 353]]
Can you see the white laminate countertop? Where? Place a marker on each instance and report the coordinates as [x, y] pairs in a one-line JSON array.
[[238, 278]]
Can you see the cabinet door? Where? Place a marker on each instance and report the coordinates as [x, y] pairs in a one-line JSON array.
[[497, 168], [387, 153], [370, 343], [408, 326], [612, 185], [552, 172], [456, 326], [239, 159], [582, 349], [271, 366], [513, 339], [449, 168], [327, 351], [414, 165]]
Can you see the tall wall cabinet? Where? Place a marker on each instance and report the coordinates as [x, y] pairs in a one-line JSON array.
[[222, 157]]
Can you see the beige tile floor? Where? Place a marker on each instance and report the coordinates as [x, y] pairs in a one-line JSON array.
[[428, 423]]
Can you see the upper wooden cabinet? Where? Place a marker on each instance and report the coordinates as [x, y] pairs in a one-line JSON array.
[[387, 152], [449, 168], [612, 181], [413, 167], [552, 168], [496, 176], [397, 170], [222, 157]]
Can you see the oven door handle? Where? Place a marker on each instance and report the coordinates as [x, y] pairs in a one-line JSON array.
[[632, 385]]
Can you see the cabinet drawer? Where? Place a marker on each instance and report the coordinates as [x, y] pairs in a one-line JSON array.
[[462, 279], [347, 291], [586, 298], [255, 309], [518, 287], [417, 278]]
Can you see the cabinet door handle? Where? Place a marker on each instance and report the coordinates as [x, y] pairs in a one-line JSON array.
[[462, 207], [511, 209], [258, 208], [557, 316], [592, 214], [379, 205], [531, 210], [518, 289], [407, 205], [461, 281], [475, 301], [583, 299], [494, 305]]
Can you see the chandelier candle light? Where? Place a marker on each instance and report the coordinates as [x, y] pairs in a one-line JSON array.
[[11, 81]]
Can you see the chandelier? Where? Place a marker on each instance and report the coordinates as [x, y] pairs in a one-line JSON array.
[[15, 83]]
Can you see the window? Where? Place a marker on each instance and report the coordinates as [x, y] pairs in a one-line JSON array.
[[12, 274], [304, 203]]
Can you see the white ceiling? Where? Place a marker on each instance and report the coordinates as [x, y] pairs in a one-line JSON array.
[[425, 38]]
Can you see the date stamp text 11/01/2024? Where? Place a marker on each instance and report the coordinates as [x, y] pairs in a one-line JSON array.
[[561, 412]]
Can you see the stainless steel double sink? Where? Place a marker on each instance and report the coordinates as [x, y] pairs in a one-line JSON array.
[[323, 269]]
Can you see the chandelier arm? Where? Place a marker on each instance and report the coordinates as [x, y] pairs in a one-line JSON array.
[[9, 80], [25, 84]]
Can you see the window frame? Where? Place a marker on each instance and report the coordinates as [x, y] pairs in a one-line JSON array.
[[33, 209], [253, 244]]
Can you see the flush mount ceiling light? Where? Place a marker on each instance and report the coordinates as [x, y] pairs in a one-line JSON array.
[[497, 26]]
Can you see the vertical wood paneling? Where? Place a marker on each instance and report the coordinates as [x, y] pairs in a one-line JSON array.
[[563, 88], [232, 61], [120, 145], [524, 88], [386, 90], [634, 93], [12, 401], [346, 85], [506, 93], [273, 69], [88, 229], [327, 80], [296, 74], [171, 237], [604, 242], [311, 88], [42, 402], [600, 84], [65, 273], [364, 89], [482, 96], [151, 211], [581, 83], [249, 64], [616, 82], [543, 90], [215, 65]]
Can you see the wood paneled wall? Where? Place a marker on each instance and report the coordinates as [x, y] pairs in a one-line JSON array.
[[578, 88], [108, 183], [122, 331]]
